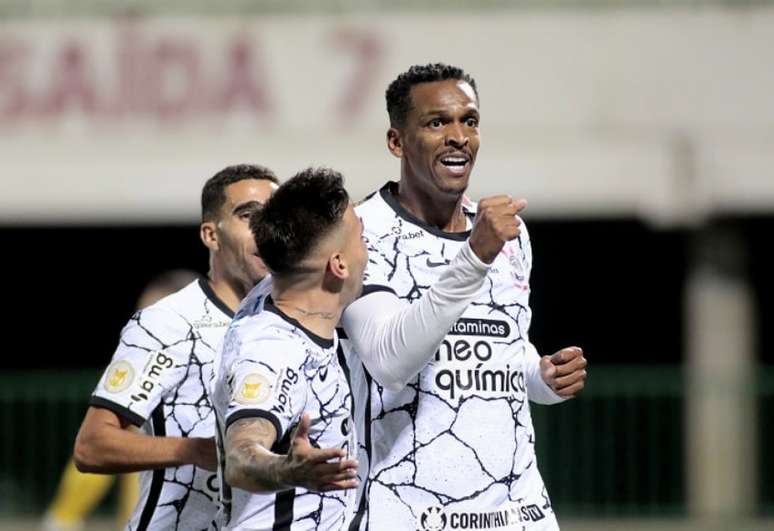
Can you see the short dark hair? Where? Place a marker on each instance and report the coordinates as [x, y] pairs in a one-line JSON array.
[[301, 212], [398, 94], [214, 190]]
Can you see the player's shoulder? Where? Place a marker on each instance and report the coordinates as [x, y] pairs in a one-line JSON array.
[[262, 325], [374, 209], [181, 300], [267, 335], [171, 312]]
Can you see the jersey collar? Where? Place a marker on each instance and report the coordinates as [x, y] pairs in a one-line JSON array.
[[389, 192], [210, 294], [269, 306]]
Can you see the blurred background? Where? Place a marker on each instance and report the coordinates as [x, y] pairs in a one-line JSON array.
[[640, 131]]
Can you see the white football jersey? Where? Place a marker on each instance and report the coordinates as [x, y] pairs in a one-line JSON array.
[[158, 380], [455, 448], [271, 367]]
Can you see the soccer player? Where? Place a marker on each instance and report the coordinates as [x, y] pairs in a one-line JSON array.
[[159, 376], [454, 447], [79, 494], [283, 395]]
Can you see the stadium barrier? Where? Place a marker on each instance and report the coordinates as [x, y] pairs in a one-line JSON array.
[[617, 450]]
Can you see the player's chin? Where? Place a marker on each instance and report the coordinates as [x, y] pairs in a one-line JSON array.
[[452, 184]]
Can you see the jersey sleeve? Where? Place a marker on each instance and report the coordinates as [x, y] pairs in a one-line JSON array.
[[396, 339], [526, 248], [151, 360], [266, 381]]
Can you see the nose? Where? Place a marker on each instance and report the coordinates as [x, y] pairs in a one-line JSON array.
[[455, 136]]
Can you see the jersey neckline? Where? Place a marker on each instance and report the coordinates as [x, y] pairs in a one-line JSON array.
[[388, 194], [210, 294], [319, 340]]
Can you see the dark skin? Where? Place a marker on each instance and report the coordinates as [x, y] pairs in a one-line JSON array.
[[443, 123], [438, 145]]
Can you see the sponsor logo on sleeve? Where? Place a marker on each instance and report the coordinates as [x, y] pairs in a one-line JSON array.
[[287, 379], [158, 363], [120, 376], [254, 389]]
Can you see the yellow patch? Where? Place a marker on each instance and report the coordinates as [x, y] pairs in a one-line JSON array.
[[120, 375], [254, 389]]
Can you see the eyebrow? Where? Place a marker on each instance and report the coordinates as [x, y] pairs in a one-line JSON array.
[[444, 112], [249, 205]]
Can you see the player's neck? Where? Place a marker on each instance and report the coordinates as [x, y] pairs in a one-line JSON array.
[[442, 211], [231, 293], [317, 310]]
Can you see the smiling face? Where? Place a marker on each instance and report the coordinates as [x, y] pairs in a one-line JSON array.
[[439, 142], [236, 246]]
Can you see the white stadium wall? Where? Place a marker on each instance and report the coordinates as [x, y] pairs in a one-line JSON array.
[[662, 114]]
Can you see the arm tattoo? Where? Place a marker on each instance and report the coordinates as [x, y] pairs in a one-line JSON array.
[[249, 463]]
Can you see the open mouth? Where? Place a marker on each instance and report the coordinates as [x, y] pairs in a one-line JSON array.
[[455, 164]]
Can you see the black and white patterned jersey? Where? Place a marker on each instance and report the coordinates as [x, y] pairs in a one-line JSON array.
[[158, 380], [455, 448], [273, 368]]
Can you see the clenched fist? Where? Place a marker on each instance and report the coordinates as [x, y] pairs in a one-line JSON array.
[[496, 223], [565, 371]]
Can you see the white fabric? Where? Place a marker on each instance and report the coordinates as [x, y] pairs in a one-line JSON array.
[[158, 379], [396, 339], [455, 445], [275, 369]]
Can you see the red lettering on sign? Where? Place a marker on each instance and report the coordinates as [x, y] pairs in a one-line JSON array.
[[368, 51], [241, 85], [72, 82]]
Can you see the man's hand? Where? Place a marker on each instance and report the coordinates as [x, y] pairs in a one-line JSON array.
[[252, 466], [310, 468], [565, 371], [496, 223]]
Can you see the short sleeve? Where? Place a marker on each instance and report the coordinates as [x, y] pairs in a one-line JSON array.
[[266, 381], [151, 360]]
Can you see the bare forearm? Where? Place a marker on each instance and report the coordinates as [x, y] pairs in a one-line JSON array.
[[106, 445], [114, 450], [249, 464], [251, 467]]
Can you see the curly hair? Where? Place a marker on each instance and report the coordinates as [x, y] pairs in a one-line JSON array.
[[398, 94]]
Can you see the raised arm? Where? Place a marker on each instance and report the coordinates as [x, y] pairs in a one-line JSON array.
[[252, 466], [395, 339]]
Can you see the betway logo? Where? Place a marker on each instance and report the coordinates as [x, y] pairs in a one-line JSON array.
[[480, 327]]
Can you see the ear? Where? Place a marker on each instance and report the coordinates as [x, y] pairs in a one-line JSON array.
[[394, 142], [209, 236], [338, 266]]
